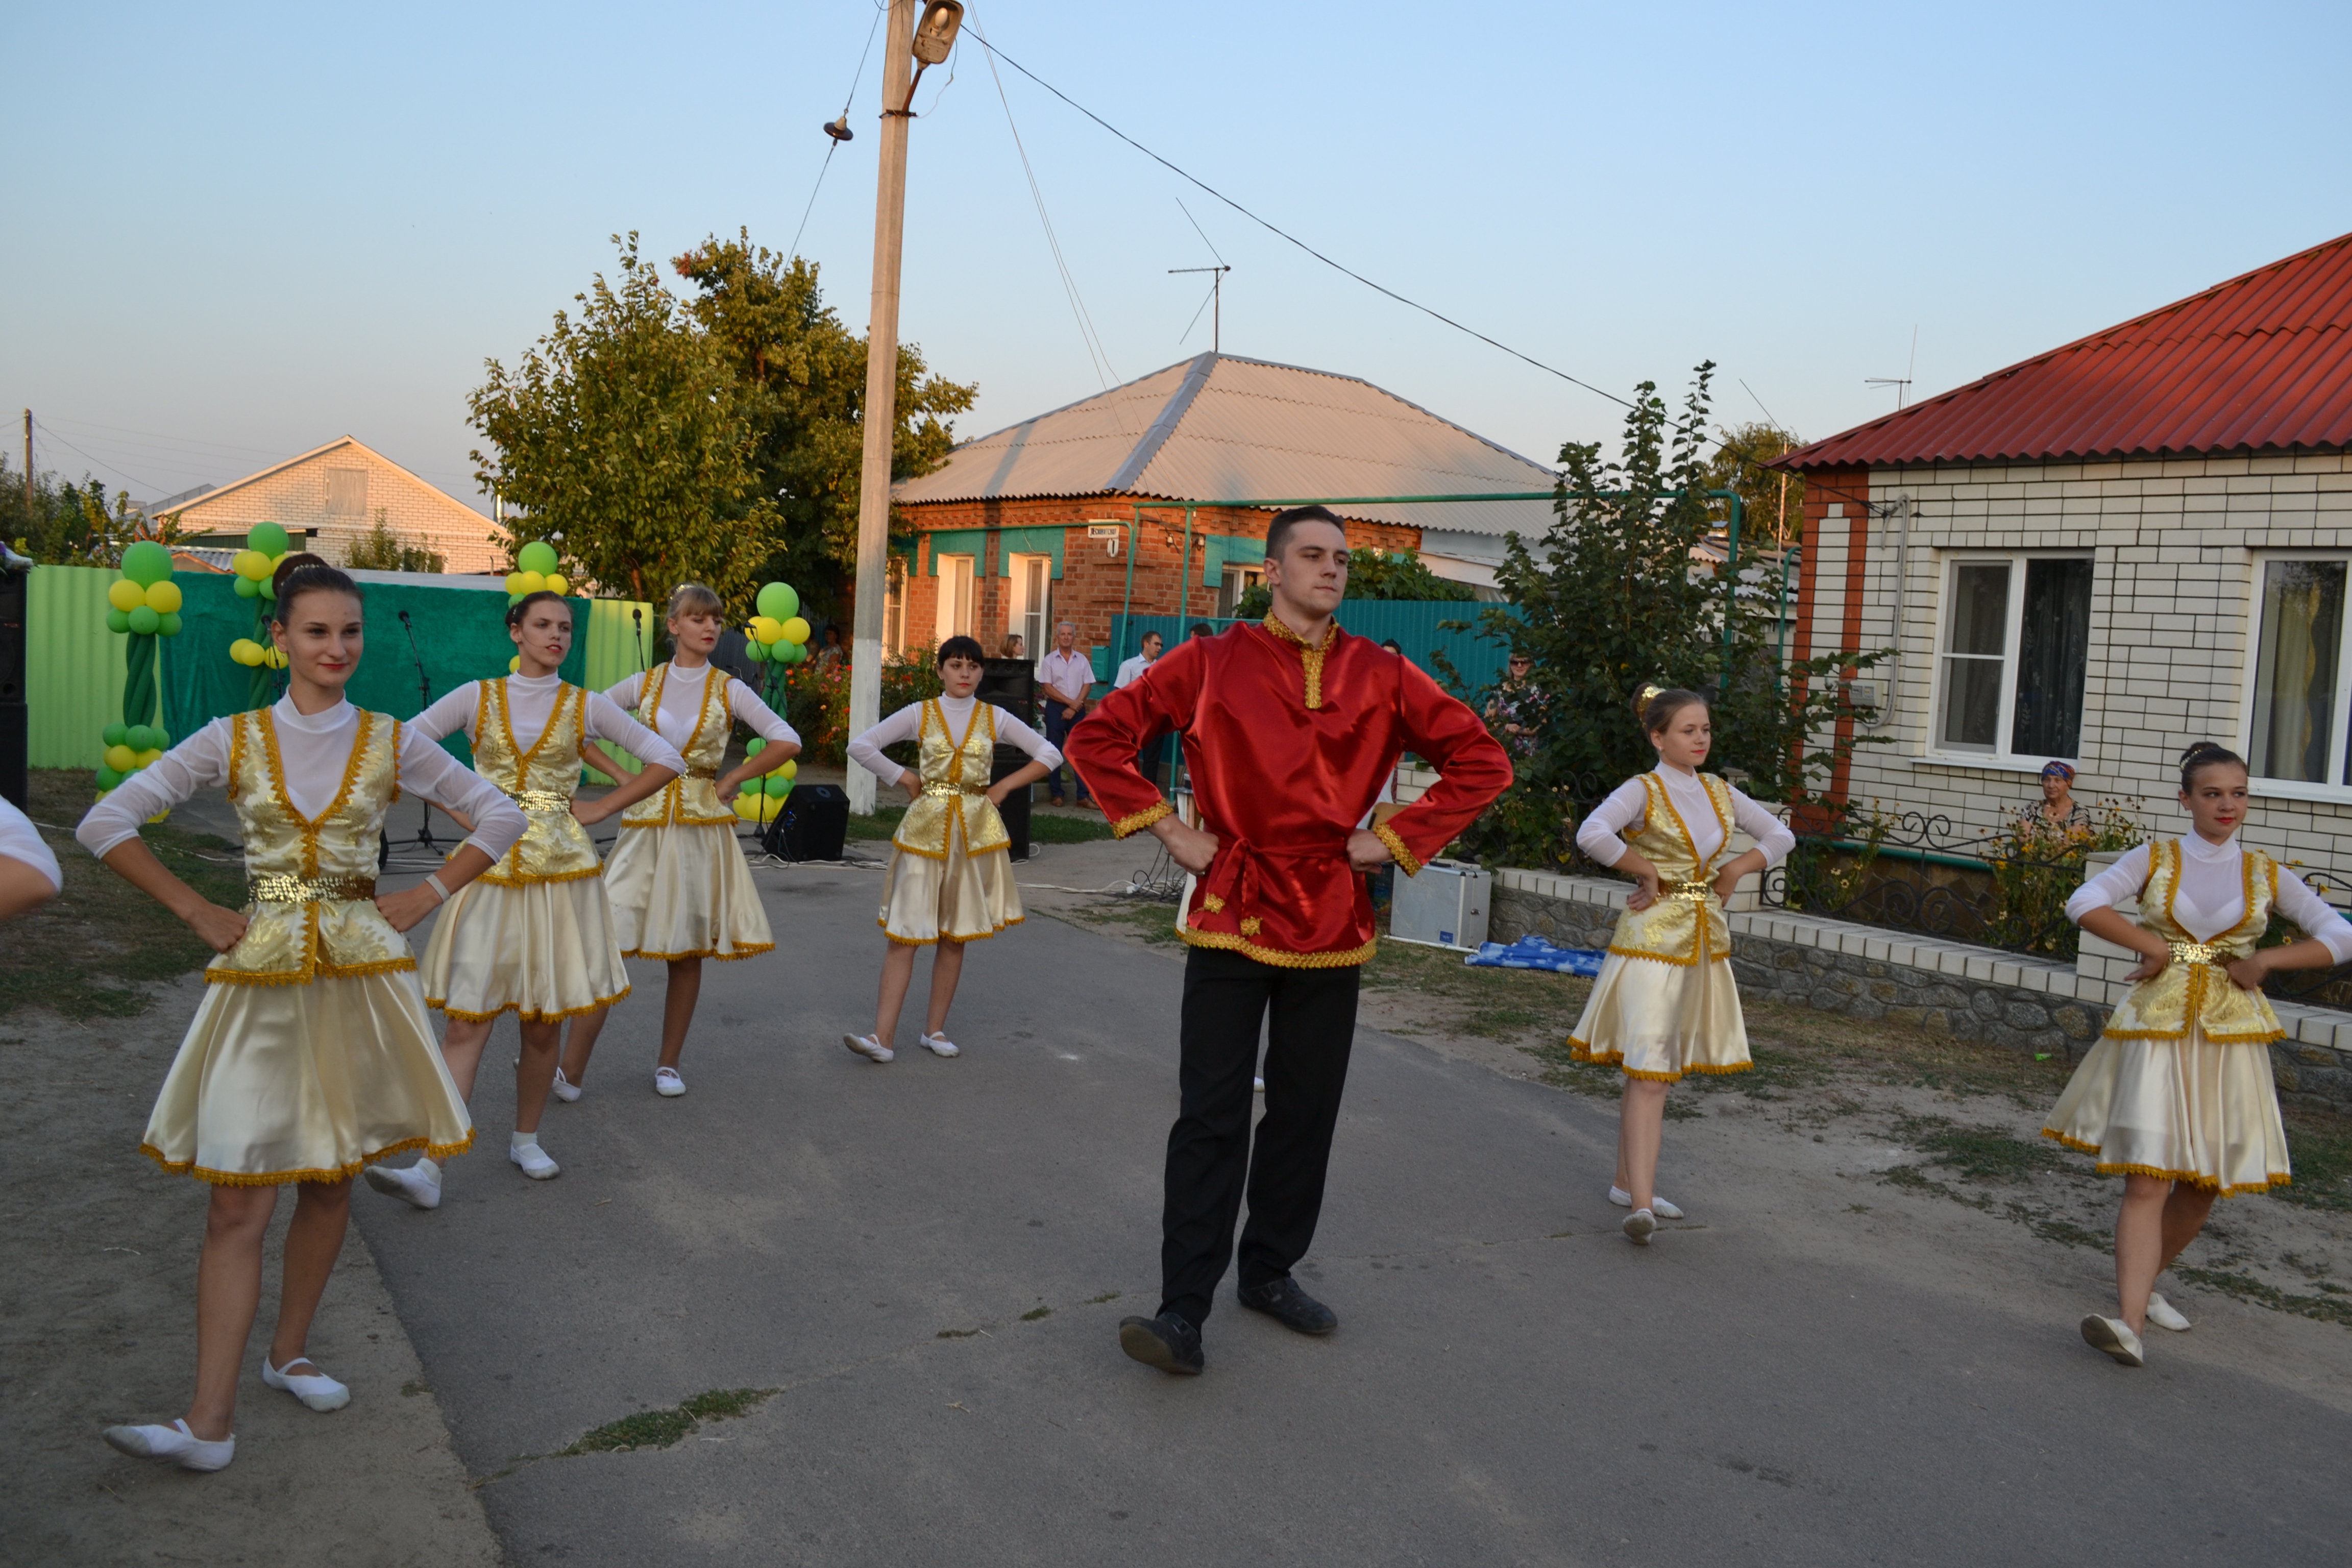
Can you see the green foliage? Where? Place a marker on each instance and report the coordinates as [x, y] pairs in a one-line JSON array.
[[623, 436], [382, 550], [66, 524], [1773, 501], [800, 379], [1376, 573], [1618, 594], [815, 700], [2036, 867], [663, 1428]]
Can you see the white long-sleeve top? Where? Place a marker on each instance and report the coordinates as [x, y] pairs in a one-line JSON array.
[[530, 702], [20, 840], [681, 707], [2211, 897], [1600, 835], [906, 723], [315, 750]]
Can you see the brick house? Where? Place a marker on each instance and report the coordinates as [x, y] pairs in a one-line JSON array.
[[1108, 505], [332, 494], [2137, 540]]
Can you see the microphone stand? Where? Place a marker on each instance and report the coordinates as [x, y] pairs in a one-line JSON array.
[[423, 700]]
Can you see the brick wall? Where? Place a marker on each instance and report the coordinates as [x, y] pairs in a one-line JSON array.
[[1095, 583], [2174, 546], [296, 496]]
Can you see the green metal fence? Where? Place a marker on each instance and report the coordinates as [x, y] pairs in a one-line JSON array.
[[1413, 623]]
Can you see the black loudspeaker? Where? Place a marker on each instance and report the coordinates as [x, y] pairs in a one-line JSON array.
[[14, 718], [1012, 685], [813, 826]]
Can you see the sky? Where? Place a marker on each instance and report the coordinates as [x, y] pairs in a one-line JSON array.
[[241, 231]]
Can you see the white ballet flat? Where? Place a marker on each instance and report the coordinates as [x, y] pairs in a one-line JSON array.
[[1659, 1206], [2165, 1315], [668, 1084], [534, 1160], [2113, 1336], [411, 1185], [940, 1046], [563, 1089], [313, 1388], [1258, 1085], [175, 1442], [867, 1045], [1639, 1225]]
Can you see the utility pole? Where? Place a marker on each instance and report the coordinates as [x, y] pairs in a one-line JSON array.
[[881, 395], [29, 467]]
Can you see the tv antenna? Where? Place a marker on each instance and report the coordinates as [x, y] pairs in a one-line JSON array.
[[1215, 302], [1901, 384]]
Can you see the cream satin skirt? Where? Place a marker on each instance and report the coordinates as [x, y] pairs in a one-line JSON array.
[[1659, 1020], [542, 951], [685, 891], [961, 899], [2189, 1109], [306, 1083]]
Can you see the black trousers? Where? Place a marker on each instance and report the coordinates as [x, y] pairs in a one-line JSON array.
[[1311, 1029]]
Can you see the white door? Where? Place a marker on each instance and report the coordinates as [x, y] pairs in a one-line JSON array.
[[1033, 603], [955, 596]]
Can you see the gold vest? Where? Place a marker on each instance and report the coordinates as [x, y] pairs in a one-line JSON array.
[[555, 847], [691, 798], [2194, 985], [955, 785], [1687, 918], [312, 911]]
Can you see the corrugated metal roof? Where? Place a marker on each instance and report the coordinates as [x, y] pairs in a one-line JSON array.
[[1222, 429], [2262, 363]]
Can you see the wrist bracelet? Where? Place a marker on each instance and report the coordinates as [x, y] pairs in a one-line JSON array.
[[433, 881]]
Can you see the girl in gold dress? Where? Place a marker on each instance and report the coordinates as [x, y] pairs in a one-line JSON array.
[[680, 888], [949, 881], [2175, 1096], [310, 1054], [533, 936], [1665, 1003]]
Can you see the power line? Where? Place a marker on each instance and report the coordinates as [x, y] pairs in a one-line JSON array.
[[833, 144], [45, 428]]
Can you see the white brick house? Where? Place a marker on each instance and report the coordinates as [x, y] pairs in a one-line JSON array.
[[334, 492], [2135, 540]]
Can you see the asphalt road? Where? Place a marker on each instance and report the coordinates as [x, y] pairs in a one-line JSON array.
[[1511, 1382]]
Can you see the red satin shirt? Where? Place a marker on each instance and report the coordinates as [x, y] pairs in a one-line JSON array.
[[1288, 747]]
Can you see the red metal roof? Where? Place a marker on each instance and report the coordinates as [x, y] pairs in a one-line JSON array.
[[2262, 363]]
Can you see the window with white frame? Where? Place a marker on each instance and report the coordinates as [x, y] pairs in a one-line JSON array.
[[1238, 582], [1033, 603], [894, 606], [2296, 718], [2015, 648]]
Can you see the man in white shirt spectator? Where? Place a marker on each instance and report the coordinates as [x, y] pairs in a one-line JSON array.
[[1068, 676], [1129, 672]]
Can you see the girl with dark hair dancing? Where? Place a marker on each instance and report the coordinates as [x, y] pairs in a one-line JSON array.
[[1665, 1003], [2177, 1096]]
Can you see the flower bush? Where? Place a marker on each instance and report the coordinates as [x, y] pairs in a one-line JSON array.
[[815, 700]]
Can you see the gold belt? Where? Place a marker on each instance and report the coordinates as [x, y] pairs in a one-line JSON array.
[[278, 888], [702, 772], [1696, 893], [952, 789], [540, 799], [2198, 953]]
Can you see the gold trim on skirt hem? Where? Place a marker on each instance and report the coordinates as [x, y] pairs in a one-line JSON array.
[[441, 1005], [2202, 1183], [286, 1178], [742, 950], [884, 923]]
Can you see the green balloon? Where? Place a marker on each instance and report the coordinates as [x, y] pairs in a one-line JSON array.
[[171, 623], [800, 653], [268, 586], [537, 556], [107, 777], [146, 563], [778, 602], [246, 587], [754, 651], [751, 747], [140, 737], [162, 736], [120, 620], [779, 787], [116, 735], [143, 621], [270, 539]]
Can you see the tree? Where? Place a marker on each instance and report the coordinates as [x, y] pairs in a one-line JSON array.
[[626, 441], [1773, 500], [801, 377], [1375, 573], [68, 524], [1617, 594], [382, 550]]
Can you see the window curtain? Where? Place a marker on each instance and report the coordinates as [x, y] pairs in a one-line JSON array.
[[2295, 669], [2054, 648]]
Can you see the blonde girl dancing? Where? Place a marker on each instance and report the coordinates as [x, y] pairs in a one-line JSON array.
[[1665, 1003]]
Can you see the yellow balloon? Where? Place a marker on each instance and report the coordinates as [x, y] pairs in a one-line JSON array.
[[124, 595], [149, 758], [746, 806], [791, 769], [556, 583], [796, 630], [121, 759], [164, 597], [273, 657], [251, 564], [531, 582], [245, 650], [514, 583], [769, 632], [514, 665], [771, 805]]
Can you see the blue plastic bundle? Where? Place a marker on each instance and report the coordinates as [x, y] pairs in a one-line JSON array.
[[1535, 953]]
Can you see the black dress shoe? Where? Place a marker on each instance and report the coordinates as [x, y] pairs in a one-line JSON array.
[[1166, 1341], [1287, 1304]]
